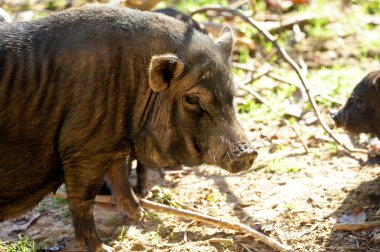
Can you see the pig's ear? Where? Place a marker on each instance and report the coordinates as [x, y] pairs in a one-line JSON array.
[[163, 69], [226, 42], [376, 83]]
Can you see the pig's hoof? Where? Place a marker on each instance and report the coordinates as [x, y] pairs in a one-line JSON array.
[[135, 215], [142, 191], [105, 248]]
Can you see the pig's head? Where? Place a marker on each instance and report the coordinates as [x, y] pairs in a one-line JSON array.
[[193, 119], [361, 113]]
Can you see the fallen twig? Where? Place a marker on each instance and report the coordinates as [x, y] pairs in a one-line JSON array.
[[326, 97], [265, 102], [282, 52], [216, 222], [350, 248], [356, 226], [376, 238], [278, 78], [226, 241], [245, 246], [198, 217], [288, 21]]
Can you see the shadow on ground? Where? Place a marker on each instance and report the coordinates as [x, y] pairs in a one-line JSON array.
[[364, 198]]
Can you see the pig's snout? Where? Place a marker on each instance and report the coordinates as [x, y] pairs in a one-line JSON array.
[[242, 157], [335, 116]]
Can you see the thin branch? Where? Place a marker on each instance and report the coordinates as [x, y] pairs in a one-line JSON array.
[[282, 52], [265, 102], [107, 199], [278, 78], [356, 226], [323, 96], [216, 222], [376, 238]]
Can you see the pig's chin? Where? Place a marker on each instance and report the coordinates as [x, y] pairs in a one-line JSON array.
[[230, 164], [357, 129], [156, 161], [236, 165]]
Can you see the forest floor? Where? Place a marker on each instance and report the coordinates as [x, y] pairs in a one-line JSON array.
[[292, 196]]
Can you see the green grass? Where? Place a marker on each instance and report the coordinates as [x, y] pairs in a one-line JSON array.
[[59, 201], [152, 217], [258, 111], [165, 231], [22, 245], [317, 29], [289, 207], [369, 6], [165, 198], [337, 81], [280, 166], [122, 234]]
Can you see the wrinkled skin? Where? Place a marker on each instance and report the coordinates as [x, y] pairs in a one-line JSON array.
[[361, 113], [83, 89], [141, 171]]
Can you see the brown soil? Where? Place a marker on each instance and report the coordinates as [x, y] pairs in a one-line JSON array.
[[291, 196]]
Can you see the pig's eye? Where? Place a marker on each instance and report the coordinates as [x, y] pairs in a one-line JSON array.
[[193, 103], [192, 99], [358, 102]]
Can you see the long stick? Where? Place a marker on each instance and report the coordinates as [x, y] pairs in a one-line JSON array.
[[356, 226], [107, 199], [216, 222], [282, 52]]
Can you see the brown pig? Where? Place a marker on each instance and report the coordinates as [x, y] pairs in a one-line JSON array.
[[82, 89]]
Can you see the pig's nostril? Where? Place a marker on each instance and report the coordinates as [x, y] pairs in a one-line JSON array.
[[241, 157], [241, 150], [246, 154], [333, 114]]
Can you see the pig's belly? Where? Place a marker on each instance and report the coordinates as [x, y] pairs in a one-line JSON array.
[[28, 171]]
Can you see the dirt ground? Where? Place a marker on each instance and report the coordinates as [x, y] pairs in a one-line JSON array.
[[289, 195], [292, 196]]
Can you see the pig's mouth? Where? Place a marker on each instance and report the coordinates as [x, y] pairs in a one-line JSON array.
[[352, 127], [193, 156], [347, 126], [343, 120], [197, 147]]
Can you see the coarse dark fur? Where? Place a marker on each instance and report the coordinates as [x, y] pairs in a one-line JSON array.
[[361, 113], [141, 170], [82, 89], [184, 18]]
